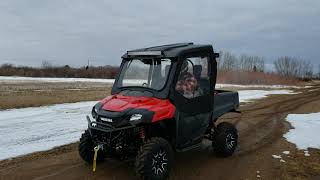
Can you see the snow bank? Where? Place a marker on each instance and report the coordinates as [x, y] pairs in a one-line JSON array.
[[249, 95], [276, 156], [286, 152], [260, 86], [42, 79], [28, 130], [306, 130]]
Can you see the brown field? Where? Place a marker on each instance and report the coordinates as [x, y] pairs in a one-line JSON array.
[[33, 94]]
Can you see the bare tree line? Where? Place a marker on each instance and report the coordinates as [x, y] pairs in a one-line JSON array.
[[48, 70], [244, 62], [289, 67], [294, 67], [245, 69]]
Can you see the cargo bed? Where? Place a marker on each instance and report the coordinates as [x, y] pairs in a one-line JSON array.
[[224, 102]]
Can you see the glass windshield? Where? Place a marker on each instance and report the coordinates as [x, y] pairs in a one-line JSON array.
[[149, 73]]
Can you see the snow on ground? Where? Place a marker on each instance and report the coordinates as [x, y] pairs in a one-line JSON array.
[[34, 129], [276, 156], [283, 161], [43, 79], [260, 86], [28, 130], [249, 95], [306, 153], [286, 152], [17, 79], [306, 130]]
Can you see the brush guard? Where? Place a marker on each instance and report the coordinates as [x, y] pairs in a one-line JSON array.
[[119, 142], [105, 127]]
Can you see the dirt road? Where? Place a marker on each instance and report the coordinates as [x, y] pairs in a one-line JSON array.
[[261, 127]]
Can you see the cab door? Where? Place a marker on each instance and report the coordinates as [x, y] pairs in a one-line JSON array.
[[193, 96]]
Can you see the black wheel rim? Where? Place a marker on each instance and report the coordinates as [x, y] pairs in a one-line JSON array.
[[230, 141], [159, 162]]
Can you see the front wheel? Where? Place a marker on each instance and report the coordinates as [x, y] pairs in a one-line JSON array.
[[225, 139], [85, 148], [154, 160]]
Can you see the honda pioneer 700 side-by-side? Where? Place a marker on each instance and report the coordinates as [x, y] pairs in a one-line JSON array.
[[163, 101]]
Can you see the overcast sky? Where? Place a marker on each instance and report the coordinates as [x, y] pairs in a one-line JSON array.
[[71, 31]]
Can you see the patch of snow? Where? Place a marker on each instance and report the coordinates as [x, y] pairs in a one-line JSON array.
[[18, 79], [311, 90], [306, 153], [276, 156], [42, 90], [249, 95], [306, 130], [279, 157], [260, 86], [34, 129], [75, 89], [286, 152]]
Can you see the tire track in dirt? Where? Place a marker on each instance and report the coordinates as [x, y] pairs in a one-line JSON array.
[[58, 172], [272, 125]]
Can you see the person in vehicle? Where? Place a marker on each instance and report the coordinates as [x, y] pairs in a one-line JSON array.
[[187, 83]]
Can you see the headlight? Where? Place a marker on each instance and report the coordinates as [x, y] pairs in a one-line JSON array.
[[135, 117]]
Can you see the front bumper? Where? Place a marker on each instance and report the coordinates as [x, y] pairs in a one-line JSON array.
[[105, 127], [120, 142]]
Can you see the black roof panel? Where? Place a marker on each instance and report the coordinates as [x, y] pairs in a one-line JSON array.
[[173, 50]]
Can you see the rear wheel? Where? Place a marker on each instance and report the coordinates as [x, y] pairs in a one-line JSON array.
[[154, 160], [225, 139], [85, 148]]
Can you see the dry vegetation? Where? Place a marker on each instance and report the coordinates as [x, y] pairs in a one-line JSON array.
[[66, 71], [246, 69], [246, 77]]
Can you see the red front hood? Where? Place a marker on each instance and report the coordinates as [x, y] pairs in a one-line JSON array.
[[163, 109]]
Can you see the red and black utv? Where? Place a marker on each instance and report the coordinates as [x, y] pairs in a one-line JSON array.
[[163, 101]]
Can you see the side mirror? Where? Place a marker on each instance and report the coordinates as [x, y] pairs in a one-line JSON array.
[[216, 55]]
